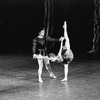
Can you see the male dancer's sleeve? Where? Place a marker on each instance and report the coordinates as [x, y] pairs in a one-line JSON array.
[[34, 46], [52, 39]]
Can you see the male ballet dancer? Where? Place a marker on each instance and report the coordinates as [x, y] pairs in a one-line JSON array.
[[40, 51], [65, 53]]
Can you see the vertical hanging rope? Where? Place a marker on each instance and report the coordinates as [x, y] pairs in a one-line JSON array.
[[47, 17], [46, 20], [50, 17], [96, 26]]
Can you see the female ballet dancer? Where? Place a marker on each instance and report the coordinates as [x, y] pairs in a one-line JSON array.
[[65, 54]]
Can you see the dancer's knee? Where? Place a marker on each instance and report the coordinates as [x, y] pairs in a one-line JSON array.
[[47, 66], [40, 68]]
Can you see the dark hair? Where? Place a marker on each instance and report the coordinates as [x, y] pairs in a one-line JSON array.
[[41, 29]]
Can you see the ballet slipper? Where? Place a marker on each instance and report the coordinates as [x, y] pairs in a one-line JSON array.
[[64, 80], [40, 81], [53, 76]]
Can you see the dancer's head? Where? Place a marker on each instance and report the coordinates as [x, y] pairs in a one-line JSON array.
[[41, 33]]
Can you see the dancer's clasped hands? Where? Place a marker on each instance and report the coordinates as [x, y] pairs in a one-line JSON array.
[[61, 38]]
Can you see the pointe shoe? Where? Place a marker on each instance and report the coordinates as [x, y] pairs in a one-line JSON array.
[[64, 80], [40, 81], [53, 76]]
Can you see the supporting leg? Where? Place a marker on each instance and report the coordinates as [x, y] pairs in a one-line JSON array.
[[40, 63], [47, 65], [65, 72]]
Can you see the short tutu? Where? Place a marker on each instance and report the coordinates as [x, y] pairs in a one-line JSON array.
[[67, 57]]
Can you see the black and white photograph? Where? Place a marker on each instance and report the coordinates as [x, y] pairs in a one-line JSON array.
[[49, 49]]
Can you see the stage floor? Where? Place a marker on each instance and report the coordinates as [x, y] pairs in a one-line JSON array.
[[18, 80]]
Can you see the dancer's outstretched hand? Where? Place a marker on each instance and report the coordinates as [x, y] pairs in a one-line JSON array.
[[34, 56], [61, 38], [59, 58]]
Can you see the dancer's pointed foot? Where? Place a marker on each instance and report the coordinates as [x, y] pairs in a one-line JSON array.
[[53, 76], [64, 80]]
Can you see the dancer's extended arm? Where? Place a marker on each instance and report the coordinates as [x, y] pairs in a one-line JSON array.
[[61, 45]]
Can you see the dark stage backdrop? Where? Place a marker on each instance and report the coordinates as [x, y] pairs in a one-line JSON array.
[[20, 21]]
